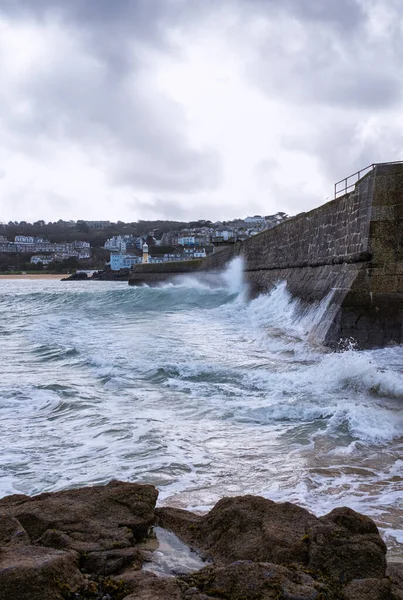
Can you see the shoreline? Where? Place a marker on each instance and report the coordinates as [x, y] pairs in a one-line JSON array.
[[35, 276]]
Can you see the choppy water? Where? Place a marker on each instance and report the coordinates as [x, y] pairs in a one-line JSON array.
[[195, 389]]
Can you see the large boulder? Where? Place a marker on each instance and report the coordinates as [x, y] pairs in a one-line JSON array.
[[34, 573], [346, 545], [368, 589], [111, 562], [244, 528], [250, 580], [89, 519], [241, 580], [12, 532], [147, 586], [394, 572], [342, 545]]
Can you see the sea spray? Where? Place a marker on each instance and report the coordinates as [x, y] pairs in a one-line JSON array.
[[278, 311], [230, 279], [233, 276]]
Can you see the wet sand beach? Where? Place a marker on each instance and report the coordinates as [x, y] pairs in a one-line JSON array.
[[35, 276]]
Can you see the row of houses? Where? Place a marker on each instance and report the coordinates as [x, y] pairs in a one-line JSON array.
[[119, 260], [187, 244], [123, 243], [240, 229], [46, 259], [233, 231], [45, 251]]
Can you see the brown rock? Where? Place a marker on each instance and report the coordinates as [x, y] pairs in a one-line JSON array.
[[87, 519], [395, 573], [346, 545], [262, 550], [244, 528], [147, 586], [368, 589], [55, 539], [34, 573], [254, 581], [343, 545], [12, 532], [111, 562]]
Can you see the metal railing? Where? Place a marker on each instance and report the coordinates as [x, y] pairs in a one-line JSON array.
[[343, 186]]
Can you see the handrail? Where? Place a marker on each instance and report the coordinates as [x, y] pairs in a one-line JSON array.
[[359, 174]]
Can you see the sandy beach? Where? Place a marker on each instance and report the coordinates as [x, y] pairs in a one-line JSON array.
[[35, 276]]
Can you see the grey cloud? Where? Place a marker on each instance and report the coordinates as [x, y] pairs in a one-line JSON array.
[[339, 60], [350, 153], [318, 75], [294, 200], [60, 202], [165, 208], [144, 138], [263, 172], [345, 14], [339, 78], [340, 149], [342, 73], [109, 107]]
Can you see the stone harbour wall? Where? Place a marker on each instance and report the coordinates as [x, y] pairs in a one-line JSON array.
[[349, 250], [335, 232], [154, 273]]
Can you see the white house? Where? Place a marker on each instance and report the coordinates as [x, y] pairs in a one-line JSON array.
[[187, 240], [45, 260], [199, 253], [117, 243], [24, 239], [98, 224], [254, 220], [225, 233]]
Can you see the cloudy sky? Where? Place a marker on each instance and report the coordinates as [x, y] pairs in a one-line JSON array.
[[190, 109]]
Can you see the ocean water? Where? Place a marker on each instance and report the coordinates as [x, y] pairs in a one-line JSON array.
[[194, 388]]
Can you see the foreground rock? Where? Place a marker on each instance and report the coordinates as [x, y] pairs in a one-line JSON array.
[[89, 519], [92, 530], [83, 544], [343, 545], [32, 572]]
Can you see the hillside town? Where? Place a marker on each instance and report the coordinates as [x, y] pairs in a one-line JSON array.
[[62, 249]]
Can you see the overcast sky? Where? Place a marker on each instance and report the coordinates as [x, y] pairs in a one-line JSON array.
[[190, 109]]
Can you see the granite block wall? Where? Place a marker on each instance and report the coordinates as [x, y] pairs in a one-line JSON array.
[[349, 250]]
